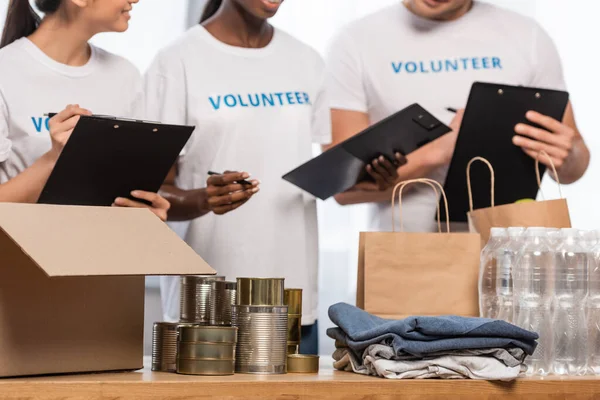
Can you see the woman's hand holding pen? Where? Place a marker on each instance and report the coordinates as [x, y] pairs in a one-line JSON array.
[[62, 124], [227, 192]]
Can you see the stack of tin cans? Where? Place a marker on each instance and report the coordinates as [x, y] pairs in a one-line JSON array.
[[298, 363], [206, 350], [164, 346], [262, 321], [264, 338], [206, 302]]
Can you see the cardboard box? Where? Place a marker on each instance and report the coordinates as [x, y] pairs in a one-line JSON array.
[[72, 285]]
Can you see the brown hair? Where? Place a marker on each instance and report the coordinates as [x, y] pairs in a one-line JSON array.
[[22, 20]]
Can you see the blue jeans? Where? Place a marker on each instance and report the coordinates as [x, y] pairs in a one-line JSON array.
[[309, 343]]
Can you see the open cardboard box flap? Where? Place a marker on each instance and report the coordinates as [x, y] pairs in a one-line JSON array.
[[97, 241]]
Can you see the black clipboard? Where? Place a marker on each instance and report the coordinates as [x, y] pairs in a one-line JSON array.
[[108, 157], [487, 130], [343, 166]]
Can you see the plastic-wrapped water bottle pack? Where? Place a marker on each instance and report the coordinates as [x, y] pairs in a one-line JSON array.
[[547, 281]]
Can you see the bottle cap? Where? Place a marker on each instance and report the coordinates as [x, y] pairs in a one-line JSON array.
[[536, 231], [569, 232], [498, 232], [515, 231]]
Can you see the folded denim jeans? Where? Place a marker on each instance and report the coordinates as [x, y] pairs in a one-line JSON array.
[[420, 336]]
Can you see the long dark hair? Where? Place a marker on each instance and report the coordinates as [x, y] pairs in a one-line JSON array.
[[210, 9], [22, 20]]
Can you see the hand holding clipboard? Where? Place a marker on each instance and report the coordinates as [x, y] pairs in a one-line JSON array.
[[61, 127]]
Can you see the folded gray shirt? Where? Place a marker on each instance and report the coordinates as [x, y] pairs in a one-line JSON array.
[[444, 367], [509, 357]]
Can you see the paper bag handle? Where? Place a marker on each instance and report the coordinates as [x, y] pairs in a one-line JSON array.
[[439, 223], [429, 182], [492, 179], [538, 176]]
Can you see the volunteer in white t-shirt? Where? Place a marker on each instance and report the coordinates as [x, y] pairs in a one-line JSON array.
[[430, 52], [45, 67], [255, 95]]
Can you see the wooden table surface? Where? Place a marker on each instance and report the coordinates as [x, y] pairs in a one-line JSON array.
[[328, 384]]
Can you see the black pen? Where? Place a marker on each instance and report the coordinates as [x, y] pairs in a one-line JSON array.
[[242, 182], [452, 110], [51, 115]]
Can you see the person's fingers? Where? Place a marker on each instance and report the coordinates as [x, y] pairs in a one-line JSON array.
[[124, 202], [226, 178], [231, 198], [160, 213], [391, 170], [212, 191], [380, 169], [400, 159], [376, 177], [160, 210], [63, 127], [536, 146], [70, 111], [229, 207], [547, 122], [157, 200], [544, 136]]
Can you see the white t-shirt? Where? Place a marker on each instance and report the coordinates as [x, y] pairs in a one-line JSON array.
[[32, 85], [255, 110], [393, 58]]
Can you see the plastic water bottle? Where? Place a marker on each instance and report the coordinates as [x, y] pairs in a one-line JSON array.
[[506, 258], [488, 307], [570, 294], [588, 239], [554, 237], [533, 290], [593, 310]]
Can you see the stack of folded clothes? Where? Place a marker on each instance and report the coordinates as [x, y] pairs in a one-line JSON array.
[[428, 347]]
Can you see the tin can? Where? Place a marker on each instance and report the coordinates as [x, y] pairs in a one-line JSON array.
[[206, 351], [262, 339], [302, 364], [205, 367], [293, 299], [222, 297], [195, 298], [260, 292], [210, 334], [164, 346]]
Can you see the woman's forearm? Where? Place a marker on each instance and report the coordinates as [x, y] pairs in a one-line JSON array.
[[27, 186]]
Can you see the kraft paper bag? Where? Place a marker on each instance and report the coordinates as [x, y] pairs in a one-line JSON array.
[[546, 213], [425, 274]]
